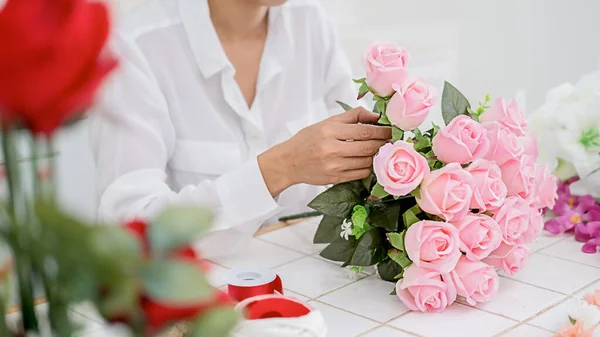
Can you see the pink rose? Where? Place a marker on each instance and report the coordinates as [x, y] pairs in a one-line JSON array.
[[447, 192], [461, 141], [385, 64], [504, 145], [433, 245], [530, 145], [545, 191], [519, 176], [479, 235], [513, 217], [399, 168], [425, 290], [536, 224], [476, 281], [508, 115], [410, 105], [490, 190], [509, 258]]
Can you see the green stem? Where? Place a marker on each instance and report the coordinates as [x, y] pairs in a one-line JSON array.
[[300, 216]]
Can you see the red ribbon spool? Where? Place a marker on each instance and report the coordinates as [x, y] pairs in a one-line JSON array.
[[250, 282], [274, 306]]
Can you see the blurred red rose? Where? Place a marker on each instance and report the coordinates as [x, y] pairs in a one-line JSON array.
[[159, 314], [52, 60]]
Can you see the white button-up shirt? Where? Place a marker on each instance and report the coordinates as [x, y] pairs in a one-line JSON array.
[[174, 127]]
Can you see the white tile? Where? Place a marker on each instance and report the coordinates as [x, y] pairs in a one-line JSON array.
[[298, 237], [556, 274], [554, 318], [258, 254], [369, 297], [295, 295], [312, 277], [217, 275], [109, 331], [385, 331], [589, 289], [456, 321], [519, 301], [84, 323], [341, 323], [571, 250], [88, 310], [546, 239], [527, 331]]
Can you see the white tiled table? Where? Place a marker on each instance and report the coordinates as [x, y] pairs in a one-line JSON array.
[[534, 303]]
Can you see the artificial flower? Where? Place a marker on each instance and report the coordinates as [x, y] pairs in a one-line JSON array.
[[509, 258], [490, 190], [399, 168], [479, 235], [410, 105], [504, 145], [425, 290], [346, 229], [476, 281], [575, 330], [385, 64], [461, 141], [433, 245], [508, 115]]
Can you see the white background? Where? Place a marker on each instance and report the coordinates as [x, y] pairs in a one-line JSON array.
[[482, 46]]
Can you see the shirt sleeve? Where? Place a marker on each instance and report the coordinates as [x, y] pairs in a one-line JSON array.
[[132, 139]]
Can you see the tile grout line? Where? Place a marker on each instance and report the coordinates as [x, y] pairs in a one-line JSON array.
[[533, 285], [568, 260], [541, 312]]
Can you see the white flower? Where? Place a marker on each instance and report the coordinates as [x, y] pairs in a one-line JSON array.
[[587, 314], [346, 229]]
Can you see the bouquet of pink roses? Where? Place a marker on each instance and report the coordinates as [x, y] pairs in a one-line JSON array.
[[445, 207]]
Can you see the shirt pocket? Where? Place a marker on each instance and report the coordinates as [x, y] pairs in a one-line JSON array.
[[316, 113], [205, 158]]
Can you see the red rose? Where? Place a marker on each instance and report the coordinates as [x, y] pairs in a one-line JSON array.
[[51, 60]]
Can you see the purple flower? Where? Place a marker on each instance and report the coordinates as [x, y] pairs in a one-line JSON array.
[[579, 205], [564, 223], [590, 234], [591, 246]]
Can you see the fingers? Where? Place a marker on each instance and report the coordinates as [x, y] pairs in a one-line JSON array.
[[367, 148], [357, 115], [355, 174], [362, 132]]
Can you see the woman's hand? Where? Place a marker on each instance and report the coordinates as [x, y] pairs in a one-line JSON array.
[[336, 150]]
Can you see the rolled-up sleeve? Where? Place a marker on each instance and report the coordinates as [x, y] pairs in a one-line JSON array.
[[132, 138]]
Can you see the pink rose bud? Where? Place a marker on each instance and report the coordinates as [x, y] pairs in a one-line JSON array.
[[490, 190], [546, 187], [385, 64], [447, 192], [514, 218], [409, 106], [461, 141], [519, 176], [530, 145], [476, 281], [536, 224], [433, 245], [479, 235], [399, 168], [425, 290], [504, 145], [508, 115], [509, 258]]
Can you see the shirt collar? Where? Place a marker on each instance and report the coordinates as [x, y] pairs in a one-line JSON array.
[[207, 49]]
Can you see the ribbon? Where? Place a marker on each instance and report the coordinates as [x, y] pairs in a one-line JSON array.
[[244, 283], [275, 306]]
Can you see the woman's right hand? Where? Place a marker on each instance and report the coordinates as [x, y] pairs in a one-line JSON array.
[[336, 150]]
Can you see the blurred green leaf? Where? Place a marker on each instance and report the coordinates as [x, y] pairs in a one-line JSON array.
[[399, 257], [177, 226], [176, 282], [363, 90], [340, 250], [369, 250], [379, 192], [385, 215], [388, 269], [409, 218], [454, 103], [359, 80], [120, 298], [397, 134], [218, 322], [383, 120], [396, 240], [329, 228], [393, 292], [344, 106], [339, 200]]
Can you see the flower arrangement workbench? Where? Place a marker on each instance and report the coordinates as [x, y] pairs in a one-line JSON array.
[[535, 303]]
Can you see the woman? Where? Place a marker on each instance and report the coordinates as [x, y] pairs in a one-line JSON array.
[[226, 103]]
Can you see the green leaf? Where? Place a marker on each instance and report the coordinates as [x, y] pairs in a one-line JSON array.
[[383, 120], [400, 258], [344, 106], [416, 193], [385, 215], [114, 249], [120, 298], [379, 192], [177, 226], [380, 106], [340, 250], [397, 134], [454, 103], [409, 218], [396, 240], [369, 250], [572, 320], [399, 276], [388, 270], [176, 283], [359, 215], [369, 182], [218, 322], [422, 143], [363, 90], [393, 292], [360, 231], [339, 200], [329, 228], [359, 80]]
